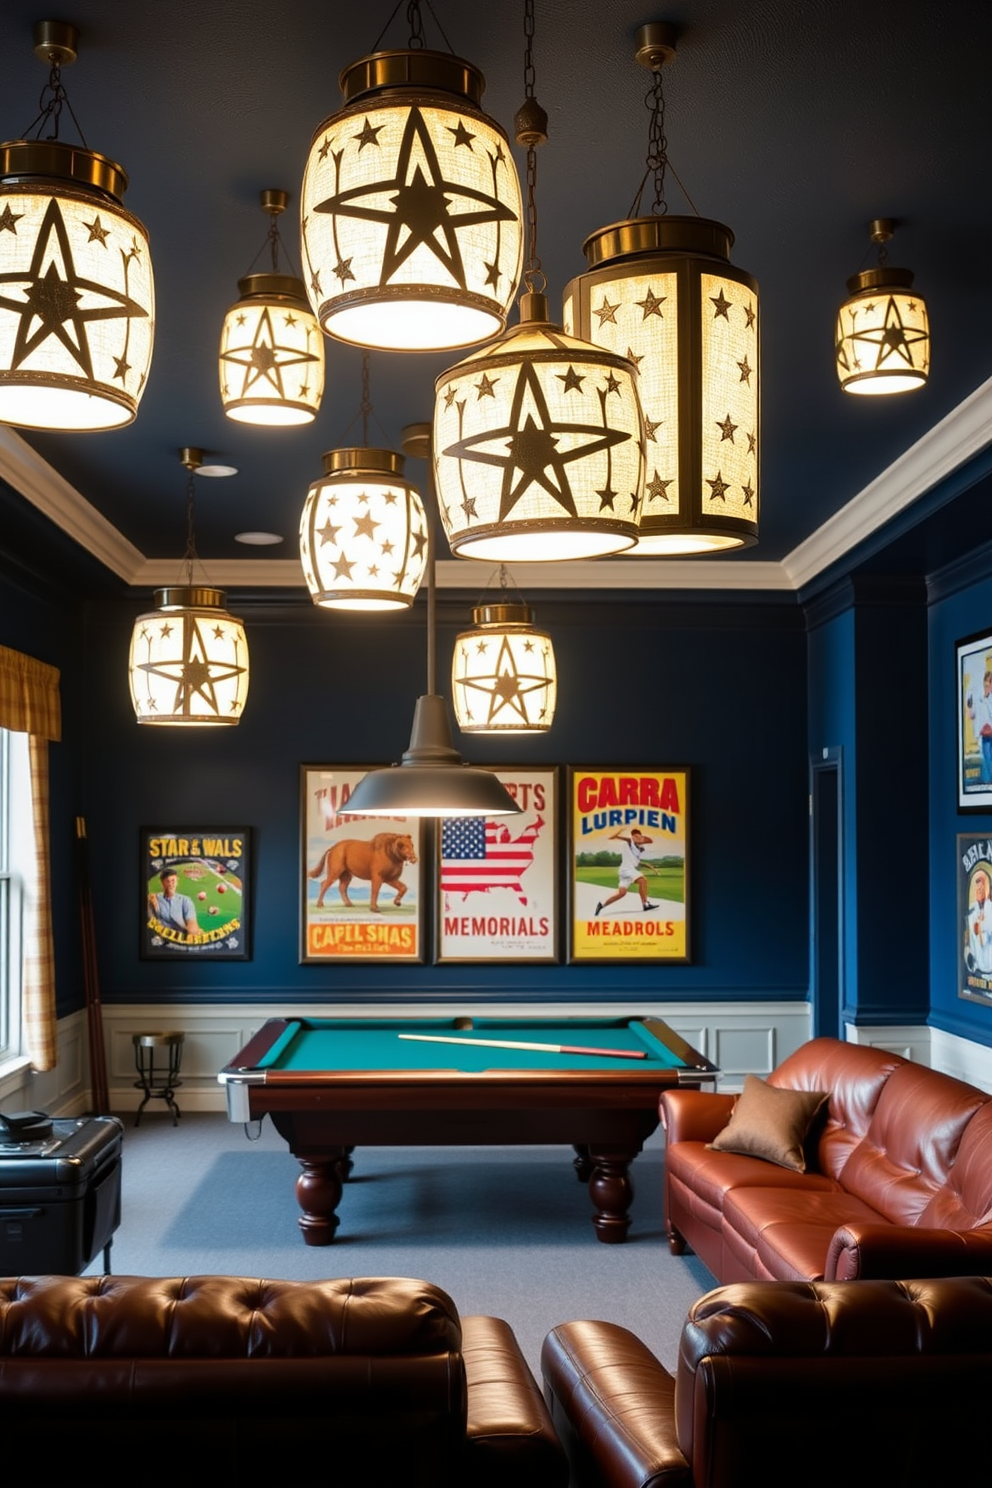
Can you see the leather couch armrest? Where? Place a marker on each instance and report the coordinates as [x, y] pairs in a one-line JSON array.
[[899, 1252], [509, 1435], [613, 1405], [694, 1115]]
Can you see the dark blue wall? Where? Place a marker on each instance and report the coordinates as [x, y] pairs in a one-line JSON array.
[[719, 687], [963, 612]]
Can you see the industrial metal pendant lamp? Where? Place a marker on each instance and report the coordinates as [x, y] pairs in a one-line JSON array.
[[363, 532], [77, 303], [883, 333], [188, 663], [661, 289], [538, 437], [271, 347], [411, 214], [431, 778], [503, 674]]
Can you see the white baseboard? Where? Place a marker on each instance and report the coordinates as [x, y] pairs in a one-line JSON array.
[[912, 1041], [961, 1058]]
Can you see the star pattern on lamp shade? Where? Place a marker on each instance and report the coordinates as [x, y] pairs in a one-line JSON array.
[[891, 340], [425, 208], [376, 544], [56, 301], [266, 361], [195, 672], [652, 303], [721, 305], [9, 220], [531, 438], [656, 488], [505, 689]]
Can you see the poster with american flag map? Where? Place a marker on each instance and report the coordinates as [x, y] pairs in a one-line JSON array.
[[498, 876]]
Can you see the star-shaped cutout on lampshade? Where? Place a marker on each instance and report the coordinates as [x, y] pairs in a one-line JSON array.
[[97, 232], [745, 369], [651, 426], [53, 294], [422, 206], [9, 219], [656, 488], [571, 379], [748, 490], [651, 304], [722, 305], [365, 526], [727, 428], [486, 386], [718, 488], [461, 134], [531, 438], [265, 361], [369, 135], [607, 312]]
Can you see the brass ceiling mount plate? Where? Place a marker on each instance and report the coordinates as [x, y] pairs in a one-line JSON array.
[[655, 45]]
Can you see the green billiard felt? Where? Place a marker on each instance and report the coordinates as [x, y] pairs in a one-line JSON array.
[[374, 1044]]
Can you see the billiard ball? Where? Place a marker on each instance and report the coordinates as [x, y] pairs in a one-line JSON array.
[[201, 895], [222, 888], [214, 909]]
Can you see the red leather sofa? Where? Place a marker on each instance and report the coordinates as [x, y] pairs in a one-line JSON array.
[[349, 1382], [864, 1384], [898, 1180]]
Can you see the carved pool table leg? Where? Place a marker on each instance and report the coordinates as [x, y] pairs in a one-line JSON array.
[[612, 1193], [318, 1193]]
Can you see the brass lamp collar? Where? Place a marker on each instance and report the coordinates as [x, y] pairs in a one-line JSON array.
[[27, 160], [506, 613], [190, 597], [267, 285], [881, 278], [357, 459], [700, 236], [421, 70]]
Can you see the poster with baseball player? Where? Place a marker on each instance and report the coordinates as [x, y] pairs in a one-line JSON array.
[[629, 864], [973, 669], [975, 919], [195, 891], [361, 894]]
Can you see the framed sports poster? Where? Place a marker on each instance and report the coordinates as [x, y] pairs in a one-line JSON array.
[[628, 863], [973, 681], [195, 893], [497, 876], [361, 882], [975, 919]]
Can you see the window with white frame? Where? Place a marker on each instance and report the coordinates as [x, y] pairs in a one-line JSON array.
[[15, 827]]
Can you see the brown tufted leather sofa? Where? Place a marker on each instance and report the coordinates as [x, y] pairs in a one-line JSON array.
[[898, 1181], [865, 1383], [365, 1381]]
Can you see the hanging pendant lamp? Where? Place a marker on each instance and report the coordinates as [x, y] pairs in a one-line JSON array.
[[538, 438], [503, 674], [271, 347], [411, 215], [77, 304], [883, 332], [662, 291], [363, 531], [431, 779], [188, 663]]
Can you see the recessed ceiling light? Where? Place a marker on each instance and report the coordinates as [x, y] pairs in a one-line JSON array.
[[258, 539], [216, 472]]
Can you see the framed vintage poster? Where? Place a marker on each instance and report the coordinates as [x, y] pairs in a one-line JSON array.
[[973, 696], [497, 876], [195, 893], [628, 863], [975, 919], [361, 887]]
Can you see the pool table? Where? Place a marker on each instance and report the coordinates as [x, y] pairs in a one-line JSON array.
[[331, 1084]]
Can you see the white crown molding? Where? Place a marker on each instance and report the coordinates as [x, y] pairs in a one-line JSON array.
[[957, 438], [963, 433]]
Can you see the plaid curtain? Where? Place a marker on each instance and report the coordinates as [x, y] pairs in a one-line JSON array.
[[29, 704]]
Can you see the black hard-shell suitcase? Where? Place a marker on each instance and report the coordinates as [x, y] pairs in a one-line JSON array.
[[60, 1197]]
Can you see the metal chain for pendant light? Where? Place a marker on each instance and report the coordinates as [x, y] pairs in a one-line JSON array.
[[365, 409], [50, 108], [190, 555], [531, 123]]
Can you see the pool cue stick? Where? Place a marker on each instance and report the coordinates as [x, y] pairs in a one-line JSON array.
[[91, 975], [441, 1038]]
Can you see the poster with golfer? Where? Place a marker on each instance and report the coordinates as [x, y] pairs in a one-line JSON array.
[[629, 865], [194, 893], [361, 881]]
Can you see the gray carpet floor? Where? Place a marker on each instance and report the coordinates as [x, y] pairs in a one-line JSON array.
[[504, 1231]]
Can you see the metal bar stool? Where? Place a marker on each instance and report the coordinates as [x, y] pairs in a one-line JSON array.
[[158, 1058]]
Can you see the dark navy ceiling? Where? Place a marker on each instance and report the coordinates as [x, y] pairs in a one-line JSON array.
[[794, 121]]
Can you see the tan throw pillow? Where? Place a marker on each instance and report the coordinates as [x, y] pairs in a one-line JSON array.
[[770, 1123]]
